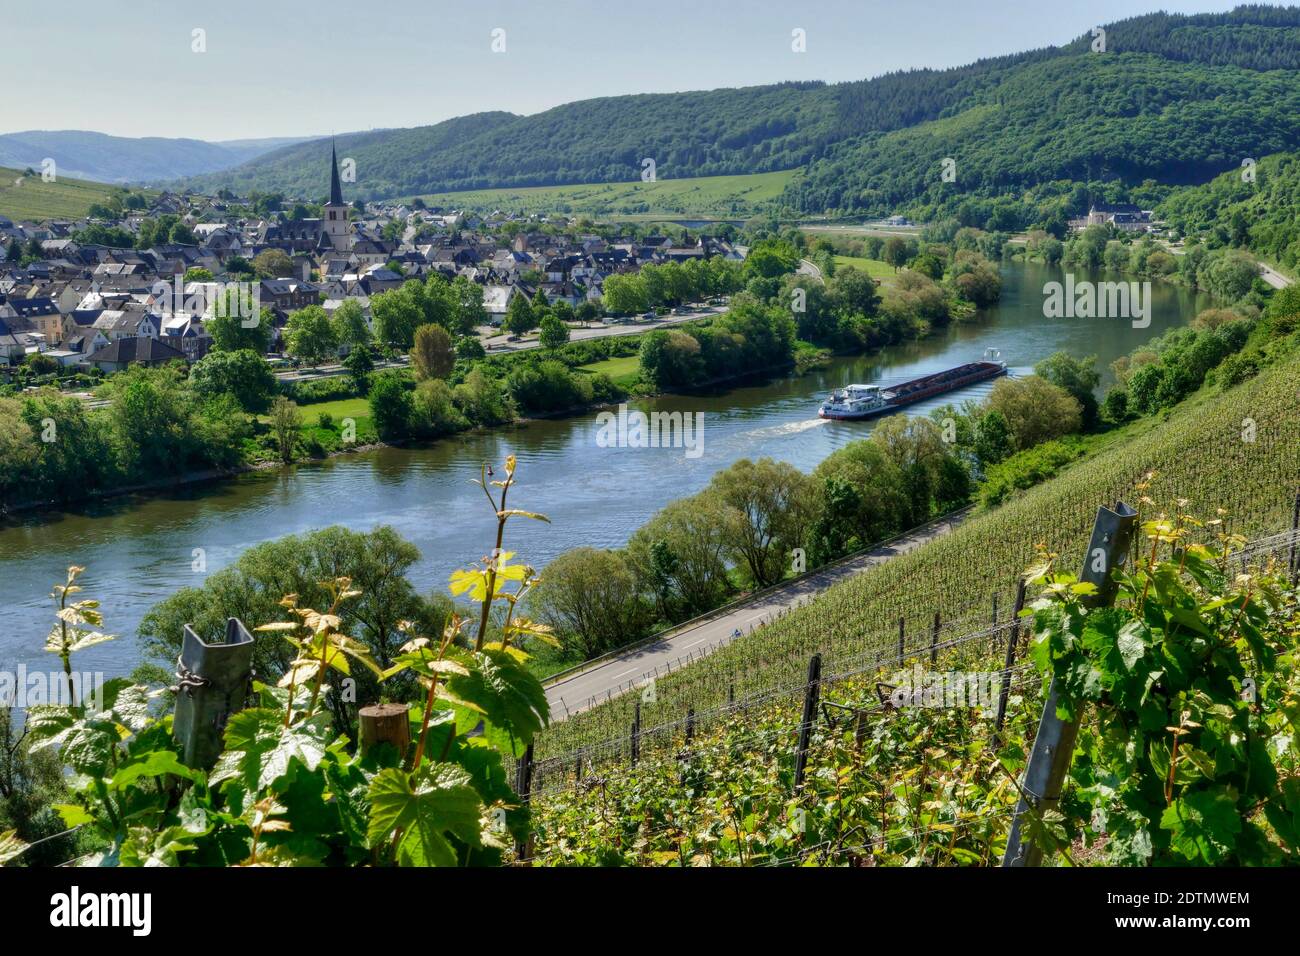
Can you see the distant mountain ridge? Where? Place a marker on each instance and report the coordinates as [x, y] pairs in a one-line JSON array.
[[120, 159], [1172, 99]]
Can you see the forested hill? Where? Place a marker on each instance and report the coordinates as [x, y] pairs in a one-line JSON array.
[[1173, 99]]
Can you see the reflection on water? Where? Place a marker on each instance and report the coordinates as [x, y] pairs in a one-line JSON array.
[[138, 550]]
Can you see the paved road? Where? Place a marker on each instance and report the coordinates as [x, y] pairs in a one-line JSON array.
[[1273, 277], [809, 268], [620, 673], [500, 342]]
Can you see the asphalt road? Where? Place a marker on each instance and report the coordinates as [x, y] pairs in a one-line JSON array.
[[500, 342], [1273, 277], [622, 672]]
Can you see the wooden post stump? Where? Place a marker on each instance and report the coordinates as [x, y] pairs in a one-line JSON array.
[[385, 723]]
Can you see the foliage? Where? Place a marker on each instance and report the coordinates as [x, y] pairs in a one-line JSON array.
[[443, 802], [243, 374], [1187, 688]]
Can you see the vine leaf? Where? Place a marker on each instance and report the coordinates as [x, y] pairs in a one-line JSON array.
[[441, 802]]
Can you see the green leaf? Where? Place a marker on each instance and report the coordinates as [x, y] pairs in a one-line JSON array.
[[271, 750], [72, 815], [512, 699], [1203, 825], [1132, 643], [155, 764], [442, 802]]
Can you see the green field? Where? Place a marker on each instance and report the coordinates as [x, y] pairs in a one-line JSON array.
[[27, 197], [338, 409], [872, 267], [624, 370], [708, 197]]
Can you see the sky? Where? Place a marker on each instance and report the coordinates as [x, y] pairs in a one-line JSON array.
[[282, 68]]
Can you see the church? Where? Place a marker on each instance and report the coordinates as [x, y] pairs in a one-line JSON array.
[[334, 214]]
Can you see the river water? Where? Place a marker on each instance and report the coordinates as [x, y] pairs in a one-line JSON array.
[[138, 550]]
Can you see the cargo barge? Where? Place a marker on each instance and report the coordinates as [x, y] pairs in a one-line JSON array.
[[856, 402]]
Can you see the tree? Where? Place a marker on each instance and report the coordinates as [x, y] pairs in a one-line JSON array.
[[434, 411], [391, 407], [469, 348], [1079, 377], [349, 322], [587, 312], [993, 440], [397, 315], [469, 312], [625, 295], [917, 449], [286, 420], [310, 335], [484, 399], [432, 355], [232, 327], [519, 318], [377, 561], [272, 264], [771, 506], [198, 274], [554, 332], [670, 358], [17, 450], [689, 537], [590, 598], [359, 365], [895, 252], [859, 499], [242, 373], [1035, 409]]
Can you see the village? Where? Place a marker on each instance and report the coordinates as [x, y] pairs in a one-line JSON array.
[[71, 303]]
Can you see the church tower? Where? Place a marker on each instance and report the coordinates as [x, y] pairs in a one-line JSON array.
[[335, 212]]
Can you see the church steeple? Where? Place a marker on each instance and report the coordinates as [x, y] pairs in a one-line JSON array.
[[337, 227], [336, 188]]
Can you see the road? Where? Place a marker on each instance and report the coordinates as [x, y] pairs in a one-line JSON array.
[[1273, 277], [809, 268], [499, 341], [619, 673]]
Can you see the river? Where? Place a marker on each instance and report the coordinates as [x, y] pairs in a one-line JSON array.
[[138, 550]]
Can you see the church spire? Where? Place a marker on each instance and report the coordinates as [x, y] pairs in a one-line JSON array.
[[336, 188]]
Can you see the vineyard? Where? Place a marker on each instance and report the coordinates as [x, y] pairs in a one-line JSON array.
[[863, 777], [1238, 450]]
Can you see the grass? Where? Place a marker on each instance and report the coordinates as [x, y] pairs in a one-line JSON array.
[[872, 267], [703, 197], [28, 197], [624, 370], [338, 409]]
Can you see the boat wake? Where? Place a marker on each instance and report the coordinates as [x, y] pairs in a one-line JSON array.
[[785, 428]]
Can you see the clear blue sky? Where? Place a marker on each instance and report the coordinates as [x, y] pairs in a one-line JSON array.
[[127, 67]]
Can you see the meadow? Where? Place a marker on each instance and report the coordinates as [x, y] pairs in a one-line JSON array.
[[706, 197]]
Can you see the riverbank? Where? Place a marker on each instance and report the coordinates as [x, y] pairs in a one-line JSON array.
[[139, 550]]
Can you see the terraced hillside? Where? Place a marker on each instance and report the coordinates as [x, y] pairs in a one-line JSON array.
[[704, 197], [1239, 450], [25, 196]]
